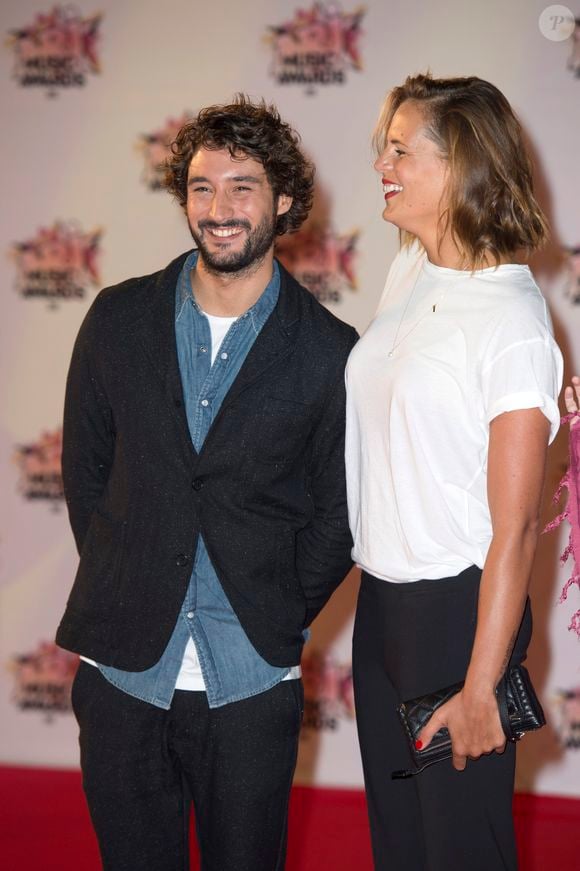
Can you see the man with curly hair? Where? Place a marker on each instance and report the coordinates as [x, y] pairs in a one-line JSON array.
[[203, 465]]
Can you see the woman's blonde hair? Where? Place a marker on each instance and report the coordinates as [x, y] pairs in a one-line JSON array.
[[492, 209]]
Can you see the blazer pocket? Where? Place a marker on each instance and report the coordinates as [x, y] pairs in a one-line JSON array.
[[96, 585]]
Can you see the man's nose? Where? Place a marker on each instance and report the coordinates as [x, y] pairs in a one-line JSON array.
[[221, 207]]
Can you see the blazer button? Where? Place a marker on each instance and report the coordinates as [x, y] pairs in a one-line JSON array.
[[181, 559], [197, 483]]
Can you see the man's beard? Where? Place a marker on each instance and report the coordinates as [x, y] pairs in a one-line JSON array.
[[258, 243]]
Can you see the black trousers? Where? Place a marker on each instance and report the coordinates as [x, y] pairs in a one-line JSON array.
[[142, 766], [411, 639]]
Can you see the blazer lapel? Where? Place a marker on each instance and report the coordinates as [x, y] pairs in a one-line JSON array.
[[155, 334], [275, 341], [269, 347]]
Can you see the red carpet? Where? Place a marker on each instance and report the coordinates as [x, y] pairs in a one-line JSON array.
[[44, 826]]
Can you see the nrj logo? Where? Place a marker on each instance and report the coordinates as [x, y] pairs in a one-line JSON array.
[[43, 679], [328, 692], [156, 148], [320, 260], [316, 47], [40, 468], [567, 707], [59, 263], [57, 50]]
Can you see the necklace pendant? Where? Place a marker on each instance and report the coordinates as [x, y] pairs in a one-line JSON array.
[[390, 354]]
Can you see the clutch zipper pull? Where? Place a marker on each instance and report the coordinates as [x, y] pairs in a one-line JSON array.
[[405, 773]]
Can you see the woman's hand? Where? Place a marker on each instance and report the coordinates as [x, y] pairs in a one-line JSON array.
[[474, 726], [572, 400], [516, 461]]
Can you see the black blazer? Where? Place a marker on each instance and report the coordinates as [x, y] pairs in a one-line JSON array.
[[267, 490]]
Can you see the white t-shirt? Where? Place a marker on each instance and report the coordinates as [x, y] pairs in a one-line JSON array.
[[447, 352]]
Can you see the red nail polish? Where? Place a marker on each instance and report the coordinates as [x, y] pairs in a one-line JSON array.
[[418, 744]]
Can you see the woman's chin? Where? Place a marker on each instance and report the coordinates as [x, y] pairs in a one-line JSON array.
[[390, 218]]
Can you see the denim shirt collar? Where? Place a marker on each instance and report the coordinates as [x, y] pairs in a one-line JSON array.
[[258, 313]]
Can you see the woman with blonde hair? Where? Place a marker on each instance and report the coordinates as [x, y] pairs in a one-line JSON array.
[[452, 401]]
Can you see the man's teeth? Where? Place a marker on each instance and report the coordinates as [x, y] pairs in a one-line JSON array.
[[389, 188], [226, 231]]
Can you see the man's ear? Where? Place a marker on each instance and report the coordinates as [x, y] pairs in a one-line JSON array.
[[284, 204]]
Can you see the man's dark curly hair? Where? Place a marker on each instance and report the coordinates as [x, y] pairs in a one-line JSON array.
[[254, 130]]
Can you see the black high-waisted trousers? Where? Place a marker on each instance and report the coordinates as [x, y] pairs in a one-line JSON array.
[[411, 639]]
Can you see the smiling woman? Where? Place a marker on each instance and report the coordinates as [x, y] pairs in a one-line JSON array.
[[452, 397], [452, 149], [414, 174]]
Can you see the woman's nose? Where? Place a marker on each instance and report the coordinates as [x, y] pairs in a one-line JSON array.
[[382, 162]]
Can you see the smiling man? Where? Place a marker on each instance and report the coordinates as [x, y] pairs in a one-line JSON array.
[[203, 465]]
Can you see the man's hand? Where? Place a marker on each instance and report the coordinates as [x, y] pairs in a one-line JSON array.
[[473, 723], [572, 400]]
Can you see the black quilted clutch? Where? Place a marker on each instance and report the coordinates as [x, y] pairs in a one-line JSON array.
[[519, 711]]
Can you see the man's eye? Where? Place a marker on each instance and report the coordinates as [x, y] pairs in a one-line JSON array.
[[242, 187], [200, 189], [398, 152]]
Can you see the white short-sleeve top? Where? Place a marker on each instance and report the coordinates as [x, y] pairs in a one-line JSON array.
[[447, 351]]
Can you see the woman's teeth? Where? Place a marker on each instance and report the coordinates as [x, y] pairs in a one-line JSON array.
[[392, 188]]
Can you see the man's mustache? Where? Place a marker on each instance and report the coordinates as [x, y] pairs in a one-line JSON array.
[[224, 225]]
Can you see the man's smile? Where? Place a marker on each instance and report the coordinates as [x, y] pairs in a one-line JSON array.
[[225, 232]]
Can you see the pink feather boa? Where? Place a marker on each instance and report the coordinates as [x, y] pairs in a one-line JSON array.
[[571, 481]]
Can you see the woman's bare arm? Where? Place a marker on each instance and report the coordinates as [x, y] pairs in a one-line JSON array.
[[516, 464]]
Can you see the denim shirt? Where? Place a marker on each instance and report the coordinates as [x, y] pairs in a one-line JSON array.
[[231, 667]]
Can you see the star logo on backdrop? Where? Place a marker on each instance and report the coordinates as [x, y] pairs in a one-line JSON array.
[[57, 51], [328, 692], [574, 59], [321, 260], [567, 723], [155, 148], [40, 468], [317, 47], [60, 263], [43, 679], [573, 279]]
